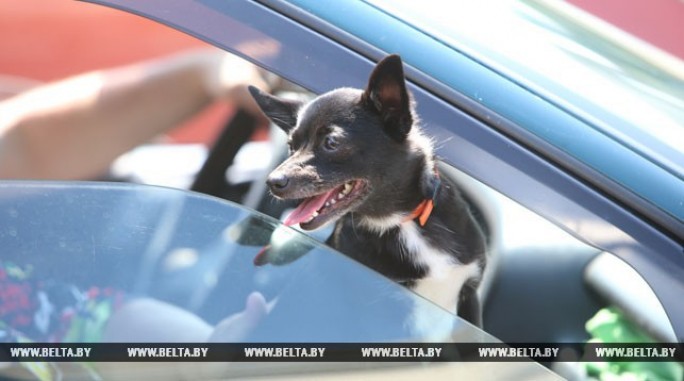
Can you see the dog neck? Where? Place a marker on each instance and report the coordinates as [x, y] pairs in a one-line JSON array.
[[422, 211], [406, 198]]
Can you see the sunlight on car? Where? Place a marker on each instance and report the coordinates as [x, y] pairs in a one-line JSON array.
[[581, 60]]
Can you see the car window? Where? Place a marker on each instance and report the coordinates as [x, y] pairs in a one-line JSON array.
[[198, 254]]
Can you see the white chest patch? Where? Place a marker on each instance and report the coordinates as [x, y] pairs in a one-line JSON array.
[[442, 285], [446, 276]]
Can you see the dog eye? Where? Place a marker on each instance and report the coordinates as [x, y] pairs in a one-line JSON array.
[[330, 143]]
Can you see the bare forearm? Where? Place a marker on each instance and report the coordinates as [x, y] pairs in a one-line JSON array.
[[74, 128]]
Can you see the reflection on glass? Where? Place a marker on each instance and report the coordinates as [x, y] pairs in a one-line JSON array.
[[142, 264], [203, 258]]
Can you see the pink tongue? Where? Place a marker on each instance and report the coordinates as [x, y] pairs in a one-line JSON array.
[[306, 209]]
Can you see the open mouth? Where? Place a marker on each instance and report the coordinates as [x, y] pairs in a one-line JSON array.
[[317, 210]]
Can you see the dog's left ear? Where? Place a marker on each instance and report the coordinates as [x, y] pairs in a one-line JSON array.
[[386, 94], [282, 112]]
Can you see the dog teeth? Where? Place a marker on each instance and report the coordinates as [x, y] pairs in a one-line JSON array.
[[332, 201], [340, 195], [311, 217], [347, 188], [327, 203]]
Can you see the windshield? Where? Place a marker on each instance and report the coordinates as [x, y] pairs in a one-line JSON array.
[[631, 91]]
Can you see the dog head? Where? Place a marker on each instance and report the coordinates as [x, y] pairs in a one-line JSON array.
[[351, 150]]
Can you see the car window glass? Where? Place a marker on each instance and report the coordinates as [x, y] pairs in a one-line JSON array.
[[199, 253]]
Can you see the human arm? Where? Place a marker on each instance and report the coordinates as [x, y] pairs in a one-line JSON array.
[[73, 129], [151, 320]]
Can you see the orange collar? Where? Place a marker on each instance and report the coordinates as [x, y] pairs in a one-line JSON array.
[[422, 212], [424, 209]]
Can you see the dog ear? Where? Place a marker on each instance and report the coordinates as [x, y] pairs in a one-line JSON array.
[[282, 112], [386, 94]]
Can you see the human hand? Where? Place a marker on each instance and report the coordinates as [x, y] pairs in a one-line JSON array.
[[227, 76], [237, 327]]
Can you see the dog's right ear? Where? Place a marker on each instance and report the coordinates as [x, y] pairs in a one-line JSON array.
[[282, 112], [386, 94]]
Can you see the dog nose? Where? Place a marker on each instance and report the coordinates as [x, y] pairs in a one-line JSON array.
[[277, 181]]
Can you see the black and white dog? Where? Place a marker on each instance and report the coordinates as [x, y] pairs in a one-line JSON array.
[[358, 157]]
